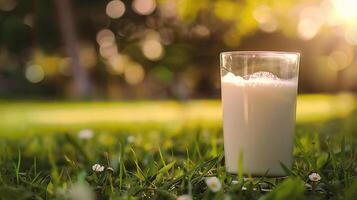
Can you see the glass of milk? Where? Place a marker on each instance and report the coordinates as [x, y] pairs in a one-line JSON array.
[[259, 90]]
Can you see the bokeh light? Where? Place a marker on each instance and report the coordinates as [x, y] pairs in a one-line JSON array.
[[34, 73], [144, 7], [167, 33], [310, 22], [314, 13], [328, 13], [49, 63], [346, 9], [115, 9], [307, 29], [262, 13], [7, 5], [201, 31], [134, 73], [351, 35], [339, 60], [107, 45], [152, 49], [269, 26], [108, 50], [117, 63], [105, 36], [267, 21]]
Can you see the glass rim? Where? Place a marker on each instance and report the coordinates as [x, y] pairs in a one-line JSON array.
[[260, 53]]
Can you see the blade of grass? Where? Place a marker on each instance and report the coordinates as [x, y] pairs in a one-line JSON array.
[[17, 169], [161, 157]]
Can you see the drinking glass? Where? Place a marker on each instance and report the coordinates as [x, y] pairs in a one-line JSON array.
[[259, 90]]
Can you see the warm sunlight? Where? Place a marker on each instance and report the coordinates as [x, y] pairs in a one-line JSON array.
[[346, 9]]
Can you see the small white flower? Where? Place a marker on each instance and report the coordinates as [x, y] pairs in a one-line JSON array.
[[85, 134], [184, 197], [213, 184], [130, 139], [314, 177], [97, 168]]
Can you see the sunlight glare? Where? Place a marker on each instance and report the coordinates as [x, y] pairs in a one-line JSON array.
[[346, 9], [351, 35]]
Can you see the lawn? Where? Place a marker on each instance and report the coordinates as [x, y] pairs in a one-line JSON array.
[[165, 150], [24, 117]]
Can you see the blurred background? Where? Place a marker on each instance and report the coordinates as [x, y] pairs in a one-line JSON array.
[[166, 49]]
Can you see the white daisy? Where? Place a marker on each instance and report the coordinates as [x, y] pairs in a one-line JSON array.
[[97, 168], [314, 177], [85, 134], [213, 184]]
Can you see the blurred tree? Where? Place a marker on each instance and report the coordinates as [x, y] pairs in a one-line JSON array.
[[166, 48], [69, 34]]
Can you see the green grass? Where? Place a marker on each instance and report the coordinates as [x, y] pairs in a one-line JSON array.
[[161, 153], [45, 117]]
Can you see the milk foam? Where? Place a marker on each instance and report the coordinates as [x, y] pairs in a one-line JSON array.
[[256, 80]]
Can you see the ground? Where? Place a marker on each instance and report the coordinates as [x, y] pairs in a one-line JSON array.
[[165, 150]]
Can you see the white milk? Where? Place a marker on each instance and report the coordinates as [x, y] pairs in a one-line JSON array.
[[258, 122]]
